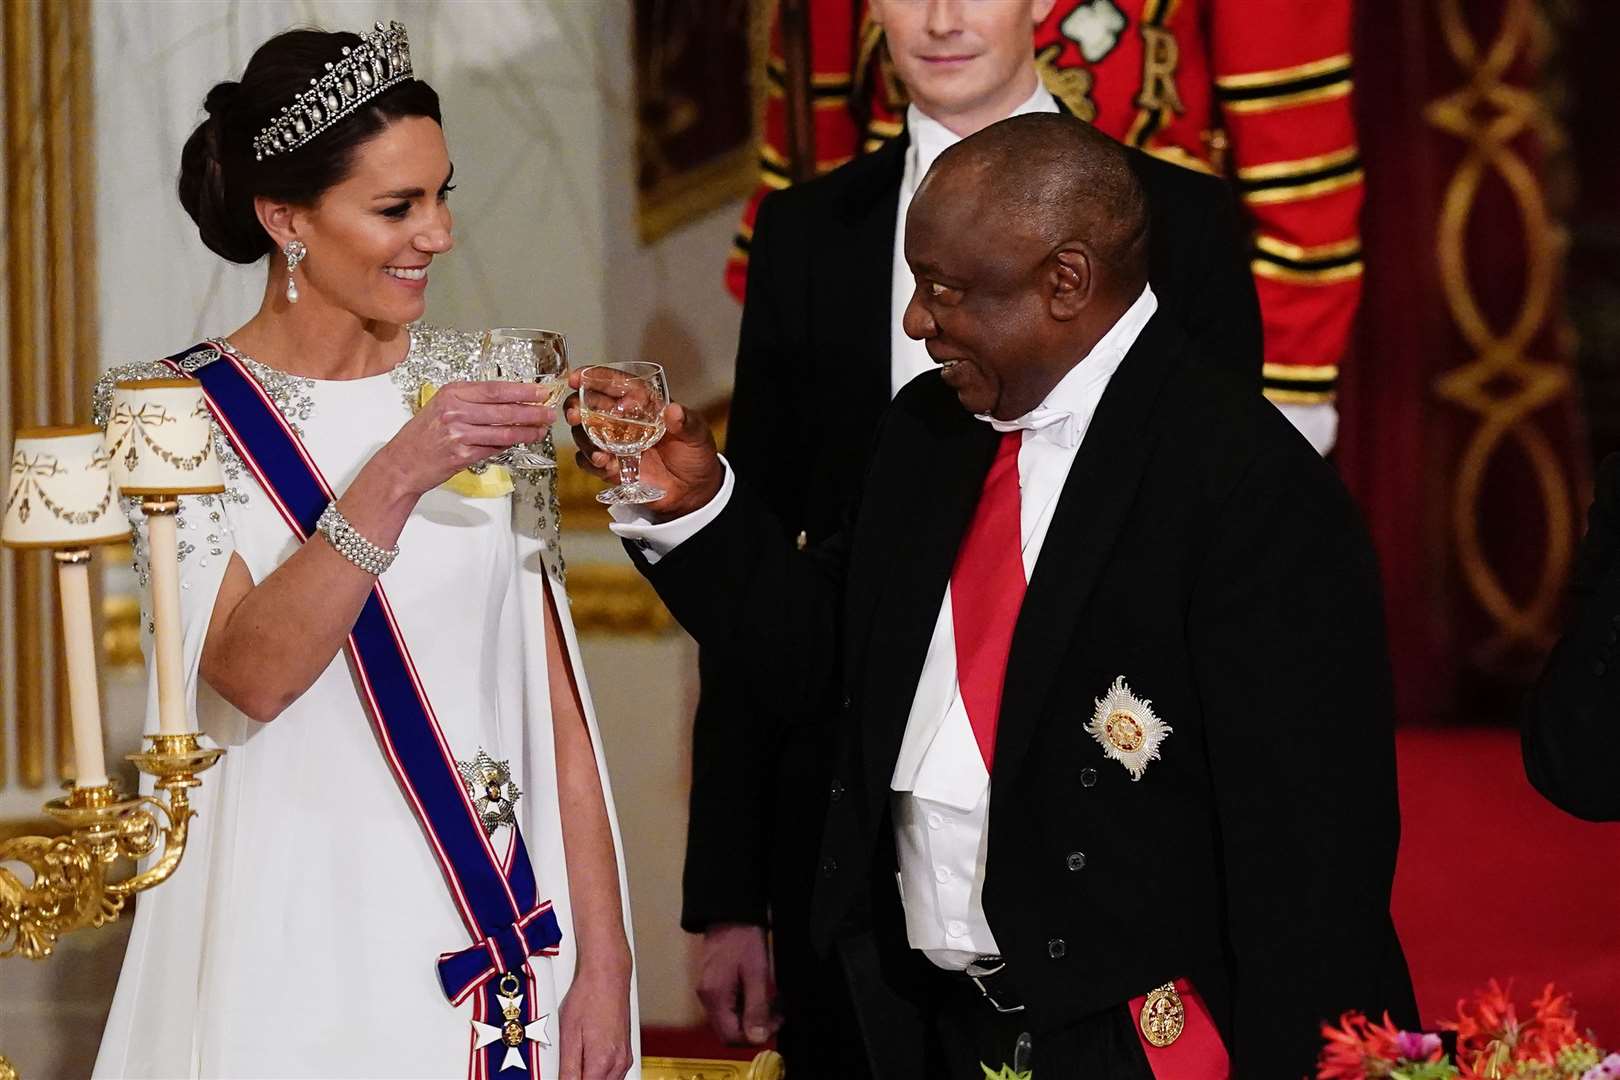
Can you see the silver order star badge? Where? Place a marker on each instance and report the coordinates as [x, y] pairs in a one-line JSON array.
[[489, 785], [512, 1032], [1127, 728]]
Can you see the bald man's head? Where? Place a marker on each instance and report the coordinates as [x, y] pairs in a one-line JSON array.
[[1028, 241], [1055, 178]]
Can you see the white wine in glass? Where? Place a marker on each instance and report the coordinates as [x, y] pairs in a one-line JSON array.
[[520, 354], [621, 407]]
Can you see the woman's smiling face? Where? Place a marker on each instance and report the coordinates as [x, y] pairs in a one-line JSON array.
[[371, 236]]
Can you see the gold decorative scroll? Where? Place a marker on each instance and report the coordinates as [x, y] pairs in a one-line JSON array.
[[68, 886], [50, 350], [1503, 385], [766, 1065]]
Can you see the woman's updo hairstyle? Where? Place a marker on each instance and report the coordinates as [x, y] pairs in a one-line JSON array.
[[219, 177]]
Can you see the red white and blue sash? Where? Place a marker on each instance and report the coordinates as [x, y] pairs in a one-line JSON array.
[[498, 898]]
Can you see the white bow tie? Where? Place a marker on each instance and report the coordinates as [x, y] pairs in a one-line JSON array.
[[1056, 425]]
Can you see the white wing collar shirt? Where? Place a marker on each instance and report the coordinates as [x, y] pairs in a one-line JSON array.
[[941, 789], [928, 139]]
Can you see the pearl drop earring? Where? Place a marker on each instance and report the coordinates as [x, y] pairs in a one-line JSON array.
[[293, 251]]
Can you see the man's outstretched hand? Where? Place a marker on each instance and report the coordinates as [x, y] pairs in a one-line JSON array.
[[685, 463]]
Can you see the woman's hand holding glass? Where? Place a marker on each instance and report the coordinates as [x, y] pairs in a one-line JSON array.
[[465, 423], [540, 357], [685, 464]]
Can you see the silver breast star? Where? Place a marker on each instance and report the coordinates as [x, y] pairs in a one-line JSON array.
[[489, 785]]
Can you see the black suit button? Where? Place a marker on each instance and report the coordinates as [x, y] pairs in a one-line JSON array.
[[1599, 668], [1056, 948], [829, 866], [1088, 777], [847, 703], [837, 790], [1076, 860]]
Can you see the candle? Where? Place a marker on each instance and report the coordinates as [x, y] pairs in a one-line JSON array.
[[163, 564], [160, 442], [73, 575], [60, 496]]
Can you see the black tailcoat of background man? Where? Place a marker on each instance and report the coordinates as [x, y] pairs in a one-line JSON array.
[[1200, 549], [813, 374], [1572, 718]]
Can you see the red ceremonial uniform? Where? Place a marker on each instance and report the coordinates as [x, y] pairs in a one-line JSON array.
[[1258, 90]]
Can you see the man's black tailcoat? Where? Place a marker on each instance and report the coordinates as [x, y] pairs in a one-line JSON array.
[[813, 374], [1201, 550], [1572, 718]]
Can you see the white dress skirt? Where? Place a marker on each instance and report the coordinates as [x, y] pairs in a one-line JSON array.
[[299, 937]]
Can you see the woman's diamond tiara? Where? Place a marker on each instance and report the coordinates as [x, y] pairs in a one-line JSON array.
[[381, 60]]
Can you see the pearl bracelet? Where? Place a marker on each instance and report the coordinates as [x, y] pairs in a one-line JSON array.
[[348, 542]]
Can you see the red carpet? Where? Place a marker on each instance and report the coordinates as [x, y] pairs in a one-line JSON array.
[[1493, 881]]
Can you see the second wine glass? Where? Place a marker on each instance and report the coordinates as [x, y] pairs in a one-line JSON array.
[[521, 354], [621, 407]]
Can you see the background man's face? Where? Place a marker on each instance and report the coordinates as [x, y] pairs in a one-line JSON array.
[[956, 56]]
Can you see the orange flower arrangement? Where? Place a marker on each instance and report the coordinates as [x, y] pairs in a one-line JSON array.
[[1493, 1043]]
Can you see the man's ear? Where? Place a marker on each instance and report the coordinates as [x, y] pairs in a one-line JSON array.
[[281, 220], [1070, 281]]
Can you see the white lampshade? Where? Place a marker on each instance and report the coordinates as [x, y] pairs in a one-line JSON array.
[[160, 439], [59, 492]]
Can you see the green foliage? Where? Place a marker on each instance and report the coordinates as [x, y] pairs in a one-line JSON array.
[[1424, 1070], [1006, 1073]]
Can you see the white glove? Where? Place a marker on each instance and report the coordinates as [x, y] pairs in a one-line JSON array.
[[1318, 422]]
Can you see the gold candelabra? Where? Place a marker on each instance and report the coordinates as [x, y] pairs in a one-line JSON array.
[[71, 887], [61, 495]]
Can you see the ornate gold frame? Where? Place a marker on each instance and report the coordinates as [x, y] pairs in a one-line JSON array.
[[694, 193]]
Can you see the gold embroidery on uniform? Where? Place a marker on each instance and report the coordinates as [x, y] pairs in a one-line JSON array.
[[1279, 396], [1277, 170], [1160, 56], [1303, 191], [1251, 79], [1300, 372], [1327, 275], [1284, 250], [1070, 85], [1289, 101]]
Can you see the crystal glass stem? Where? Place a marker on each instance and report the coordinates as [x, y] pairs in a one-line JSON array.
[[630, 470]]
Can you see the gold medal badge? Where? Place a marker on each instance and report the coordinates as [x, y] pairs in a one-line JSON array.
[[1163, 1016], [1127, 728]]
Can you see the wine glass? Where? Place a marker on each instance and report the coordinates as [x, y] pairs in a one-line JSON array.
[[621, 407], [520, 354]]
